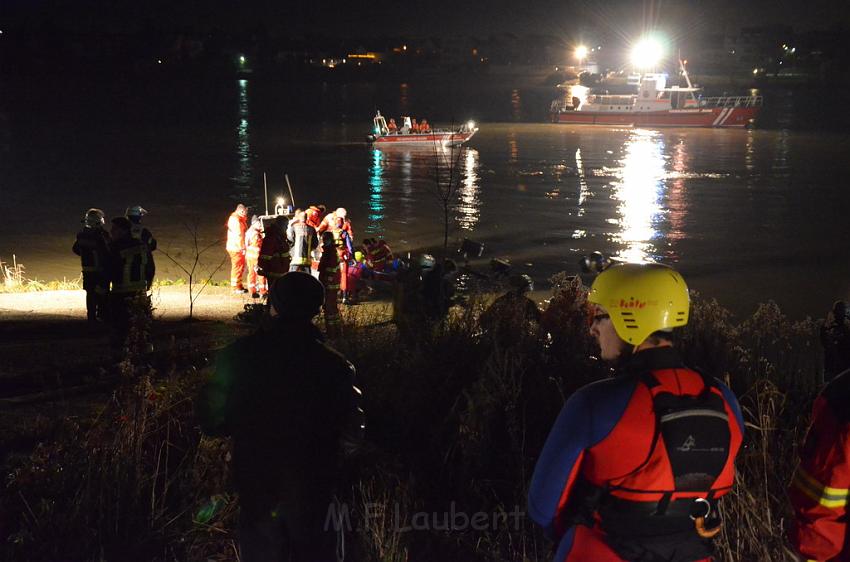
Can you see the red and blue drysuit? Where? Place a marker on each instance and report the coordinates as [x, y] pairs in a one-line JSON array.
[[605, 440]]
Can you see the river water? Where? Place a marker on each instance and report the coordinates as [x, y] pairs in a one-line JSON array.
[[746, 215]]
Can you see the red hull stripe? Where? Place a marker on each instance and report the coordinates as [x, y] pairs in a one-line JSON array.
[[717, 117], [424, 138]]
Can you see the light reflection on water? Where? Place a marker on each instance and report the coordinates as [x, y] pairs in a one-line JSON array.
[[639, 191], [469, 204], [376, 198], [244, 178], [401, 186]]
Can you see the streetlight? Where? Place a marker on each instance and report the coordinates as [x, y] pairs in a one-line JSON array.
[[647, 53], [581, 53]]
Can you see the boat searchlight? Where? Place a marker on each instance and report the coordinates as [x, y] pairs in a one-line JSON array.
[[647, 53], [470, 125]]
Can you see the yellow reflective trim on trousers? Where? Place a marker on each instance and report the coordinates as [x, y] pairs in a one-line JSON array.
[[824, 495]]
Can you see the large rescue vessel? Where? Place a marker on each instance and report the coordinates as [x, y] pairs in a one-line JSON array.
[[656, 105], [382, 135]]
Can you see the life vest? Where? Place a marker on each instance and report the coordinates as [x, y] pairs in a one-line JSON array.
[[273, 260], [689, 464]]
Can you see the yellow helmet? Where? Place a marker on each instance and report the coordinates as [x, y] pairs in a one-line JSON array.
[[641, 299]]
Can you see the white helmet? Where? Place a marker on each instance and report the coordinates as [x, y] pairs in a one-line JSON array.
[[341, 212]]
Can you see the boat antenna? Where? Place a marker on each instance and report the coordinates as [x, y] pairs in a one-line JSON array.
[[266, 192], [684, 71], [289, 185]]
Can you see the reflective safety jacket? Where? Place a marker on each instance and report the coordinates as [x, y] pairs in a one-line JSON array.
[[274, 253], [92, 245], [129, 269], [236, 227], [302, 239], [628, 456], [329, 273], [253, 243], [379, 255], [821, 486]]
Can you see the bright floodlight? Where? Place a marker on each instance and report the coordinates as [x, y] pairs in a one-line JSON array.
[[470, 125], [581, 52], [647, 53]]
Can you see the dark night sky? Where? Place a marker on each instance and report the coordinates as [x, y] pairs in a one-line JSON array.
[[436, 17]]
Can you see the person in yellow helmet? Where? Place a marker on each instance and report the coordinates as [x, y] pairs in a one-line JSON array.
[[635, 464]]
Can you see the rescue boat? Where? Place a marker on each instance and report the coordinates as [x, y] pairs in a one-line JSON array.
[[381, 134], [656, 105]]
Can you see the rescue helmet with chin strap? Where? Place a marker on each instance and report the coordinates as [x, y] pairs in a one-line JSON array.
[[641, 298]]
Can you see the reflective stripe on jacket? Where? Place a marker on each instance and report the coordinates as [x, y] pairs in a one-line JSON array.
[[302, 239], [821, 485], [131, 270]]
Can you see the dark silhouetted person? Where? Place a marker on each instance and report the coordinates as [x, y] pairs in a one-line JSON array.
[[140, 232], [130, 274], [287, 400], [512, 312], [92, 245], [438, 288], [835, 337], [329, 275]]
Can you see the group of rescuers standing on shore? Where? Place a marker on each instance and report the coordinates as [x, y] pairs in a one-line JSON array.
[[632, 470], [314, 242]]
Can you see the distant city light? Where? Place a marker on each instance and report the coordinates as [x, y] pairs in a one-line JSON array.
[[755, 71], [404, 47], [581, 52], [647, 53]]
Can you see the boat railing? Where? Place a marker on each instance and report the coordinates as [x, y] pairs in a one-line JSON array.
[[558, 106], [731, 101]]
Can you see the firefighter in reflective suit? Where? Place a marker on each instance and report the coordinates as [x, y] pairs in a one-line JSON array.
[[130, 273], [821, 486], [92, 245], [635, 464]]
